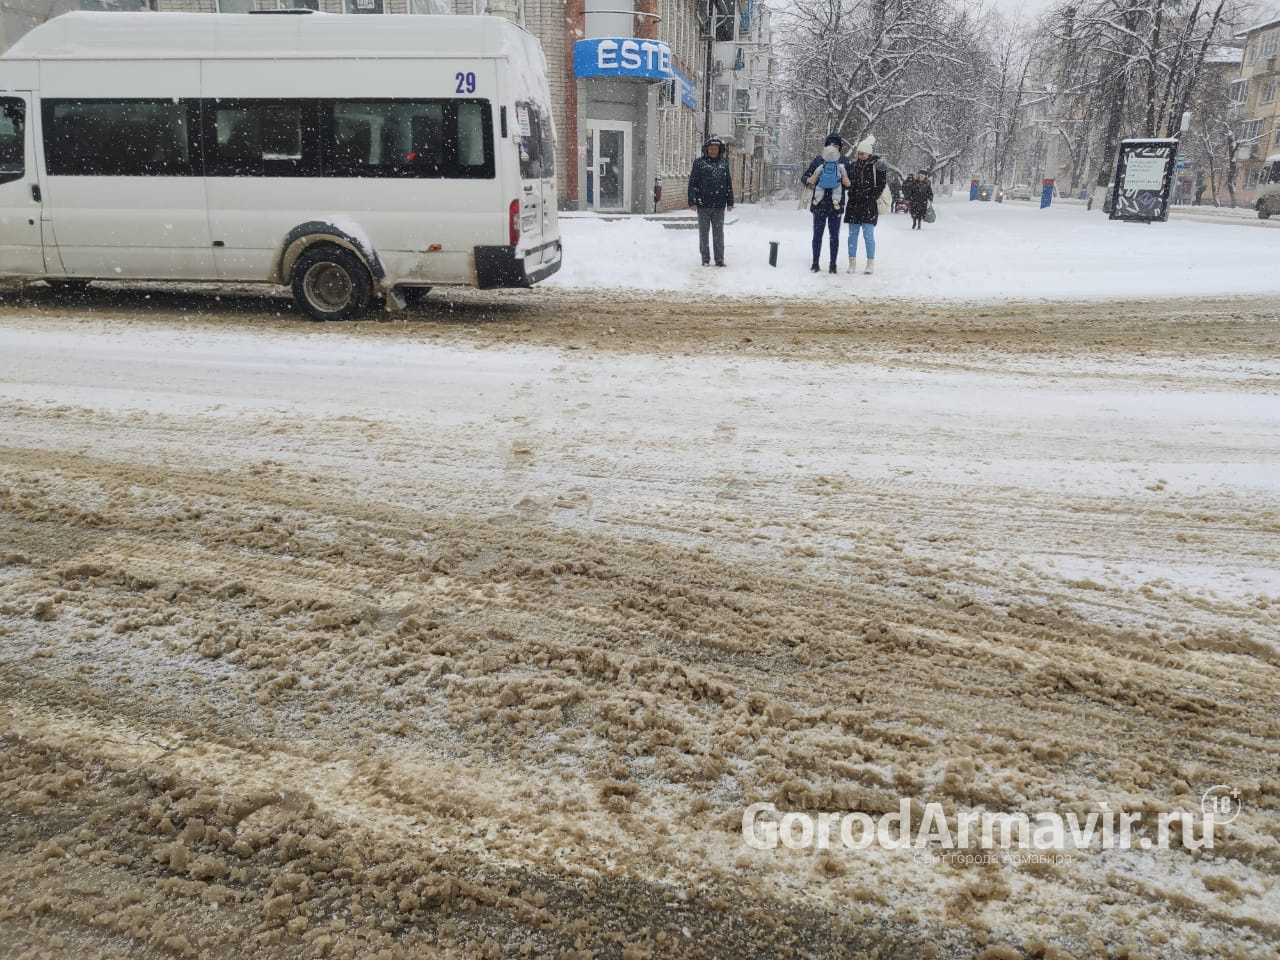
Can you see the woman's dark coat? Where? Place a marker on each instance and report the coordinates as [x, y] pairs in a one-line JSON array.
[[918, 193], [868, 179]]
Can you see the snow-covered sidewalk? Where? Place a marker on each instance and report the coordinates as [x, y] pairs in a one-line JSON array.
[[975, 251]]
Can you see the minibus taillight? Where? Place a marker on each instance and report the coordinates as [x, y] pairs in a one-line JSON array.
[[513, 222]]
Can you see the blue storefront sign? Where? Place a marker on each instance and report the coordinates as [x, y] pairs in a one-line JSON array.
[[688, 92], [622, 57]]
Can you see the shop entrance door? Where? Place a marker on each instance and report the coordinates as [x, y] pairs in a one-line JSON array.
[[609, 165]]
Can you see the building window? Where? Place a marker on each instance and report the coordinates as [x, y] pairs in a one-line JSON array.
[[235, 6], [1251, 132], [298, 5], [1267, 45], [721, 103], [1268, 91]]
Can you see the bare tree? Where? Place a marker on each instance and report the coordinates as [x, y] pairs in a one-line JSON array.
[[1141, 58], [857, 66]]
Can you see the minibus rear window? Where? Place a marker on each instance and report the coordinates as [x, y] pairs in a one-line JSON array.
[[535, 143]]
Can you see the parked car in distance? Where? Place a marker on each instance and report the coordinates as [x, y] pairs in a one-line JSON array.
[[1268, 195], [1019, 191], [986, 191]]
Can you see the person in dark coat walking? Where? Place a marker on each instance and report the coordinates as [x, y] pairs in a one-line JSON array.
[[828, 174], [919, 195], [867, 178], [710, 194]]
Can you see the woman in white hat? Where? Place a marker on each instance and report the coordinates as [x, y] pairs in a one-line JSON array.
[[867, 177]]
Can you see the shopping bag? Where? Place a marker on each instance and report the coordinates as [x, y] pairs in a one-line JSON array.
[[930, 215], [885, 200]]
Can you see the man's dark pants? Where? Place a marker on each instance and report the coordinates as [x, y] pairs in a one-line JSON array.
[[711, 220], [826, 217]]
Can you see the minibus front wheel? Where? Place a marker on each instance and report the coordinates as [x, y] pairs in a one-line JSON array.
[[331, 283]]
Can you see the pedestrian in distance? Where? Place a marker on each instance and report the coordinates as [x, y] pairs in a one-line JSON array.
[[919, 195], [867, 177], [828, 175], [895, 190], [711, 194]]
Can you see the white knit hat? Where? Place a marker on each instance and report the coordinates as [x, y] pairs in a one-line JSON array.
[[865, 144]]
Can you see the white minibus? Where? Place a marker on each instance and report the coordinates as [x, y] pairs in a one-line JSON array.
[[349, 157]]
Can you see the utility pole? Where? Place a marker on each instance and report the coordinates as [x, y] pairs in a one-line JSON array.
[[711, 42]]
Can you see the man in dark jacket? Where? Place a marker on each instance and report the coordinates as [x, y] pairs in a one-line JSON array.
[[711, 193], [828, 174], [867, 178]]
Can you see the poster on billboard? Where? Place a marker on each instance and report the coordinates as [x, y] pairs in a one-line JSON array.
[[1144, 174]]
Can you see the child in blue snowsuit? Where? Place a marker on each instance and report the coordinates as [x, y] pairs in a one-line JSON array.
[[828, 174]]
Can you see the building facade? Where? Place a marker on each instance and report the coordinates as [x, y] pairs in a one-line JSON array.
[[746, 106], [1255, 104]]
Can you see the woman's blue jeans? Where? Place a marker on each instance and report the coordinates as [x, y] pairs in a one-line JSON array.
[[868, 230]]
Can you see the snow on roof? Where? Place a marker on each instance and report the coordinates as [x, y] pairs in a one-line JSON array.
[[143, 36], [1225, 55], [1265, 15]]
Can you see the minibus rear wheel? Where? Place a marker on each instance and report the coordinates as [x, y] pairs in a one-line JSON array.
[[331, 283]]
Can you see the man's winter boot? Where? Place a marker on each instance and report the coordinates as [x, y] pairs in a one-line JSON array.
[[871, 267], [815, 268], [853, 265], [832, 267]]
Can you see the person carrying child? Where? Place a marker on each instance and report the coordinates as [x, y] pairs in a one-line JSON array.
[[828, 174]]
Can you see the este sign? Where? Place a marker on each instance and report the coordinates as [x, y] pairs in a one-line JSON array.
[[622, 57]]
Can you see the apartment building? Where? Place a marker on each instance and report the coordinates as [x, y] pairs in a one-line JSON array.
[[746, 107], [1255, 98]]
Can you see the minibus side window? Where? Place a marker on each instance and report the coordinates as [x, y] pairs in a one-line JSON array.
[[119, 138], [472, 131], [13, 115], [411, 139], [261, 138]]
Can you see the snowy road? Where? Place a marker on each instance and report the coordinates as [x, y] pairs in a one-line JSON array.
[[461, 637]]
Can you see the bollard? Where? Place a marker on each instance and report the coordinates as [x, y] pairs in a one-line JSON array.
[[773, 253]]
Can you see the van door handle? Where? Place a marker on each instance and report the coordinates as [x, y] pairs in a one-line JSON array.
[[35, 192]]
